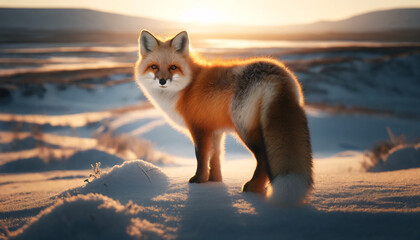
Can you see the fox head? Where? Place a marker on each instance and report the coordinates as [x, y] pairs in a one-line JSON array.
[[163, 65]]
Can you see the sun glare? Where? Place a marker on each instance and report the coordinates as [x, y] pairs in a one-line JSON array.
[[203, 16]]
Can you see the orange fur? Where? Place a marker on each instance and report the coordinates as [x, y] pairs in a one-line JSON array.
[[203, 107]]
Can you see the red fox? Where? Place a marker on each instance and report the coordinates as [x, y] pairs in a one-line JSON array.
[[258, 99]]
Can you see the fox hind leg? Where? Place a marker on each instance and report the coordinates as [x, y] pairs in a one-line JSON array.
[[255, 143], [246, 111]]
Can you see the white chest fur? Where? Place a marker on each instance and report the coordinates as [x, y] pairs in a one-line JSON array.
[[165, 99], [166, 102]]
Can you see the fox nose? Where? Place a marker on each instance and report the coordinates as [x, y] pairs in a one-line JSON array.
[[162, 81]]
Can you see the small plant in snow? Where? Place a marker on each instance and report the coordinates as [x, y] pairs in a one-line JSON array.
[[97, 169], [377, 157], [96, 172]]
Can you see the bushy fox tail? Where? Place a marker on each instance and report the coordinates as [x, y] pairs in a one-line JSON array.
[[289, 190], [289, 155]]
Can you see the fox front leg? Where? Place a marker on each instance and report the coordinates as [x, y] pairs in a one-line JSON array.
[[217, 152], [202, 144]]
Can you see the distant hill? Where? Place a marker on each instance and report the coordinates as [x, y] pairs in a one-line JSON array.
[[76, 20], [26, 25], [378, 21]]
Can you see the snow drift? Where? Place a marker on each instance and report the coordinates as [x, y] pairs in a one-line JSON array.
[[136, 180], [95, 212], [91, 216]]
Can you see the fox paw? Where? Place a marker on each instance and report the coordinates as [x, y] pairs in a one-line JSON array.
[[197, 179], [252, 187]]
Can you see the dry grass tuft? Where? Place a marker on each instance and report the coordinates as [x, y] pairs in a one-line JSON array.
[[380, 151]]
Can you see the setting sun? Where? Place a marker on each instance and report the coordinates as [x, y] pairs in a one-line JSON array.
[[203, 16]]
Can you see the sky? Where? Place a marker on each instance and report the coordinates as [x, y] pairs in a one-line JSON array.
[[243, 12]]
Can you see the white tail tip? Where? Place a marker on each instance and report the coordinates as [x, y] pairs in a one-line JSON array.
[[288, 190]]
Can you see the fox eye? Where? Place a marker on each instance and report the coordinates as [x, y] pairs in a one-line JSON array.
[[173, 67], [154, 66]]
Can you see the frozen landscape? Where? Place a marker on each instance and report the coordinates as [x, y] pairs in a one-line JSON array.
[[64, 108]]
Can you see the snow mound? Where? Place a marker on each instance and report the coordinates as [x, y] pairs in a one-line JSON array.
[[133, 180], [402, 157], [78, 161], [91, 216]]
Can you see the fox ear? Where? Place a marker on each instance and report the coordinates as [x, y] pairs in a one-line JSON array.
[[147, 42], [181, 42]]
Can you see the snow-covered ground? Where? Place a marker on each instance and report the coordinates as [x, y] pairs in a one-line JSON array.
[[159, 203], [52, 131]]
